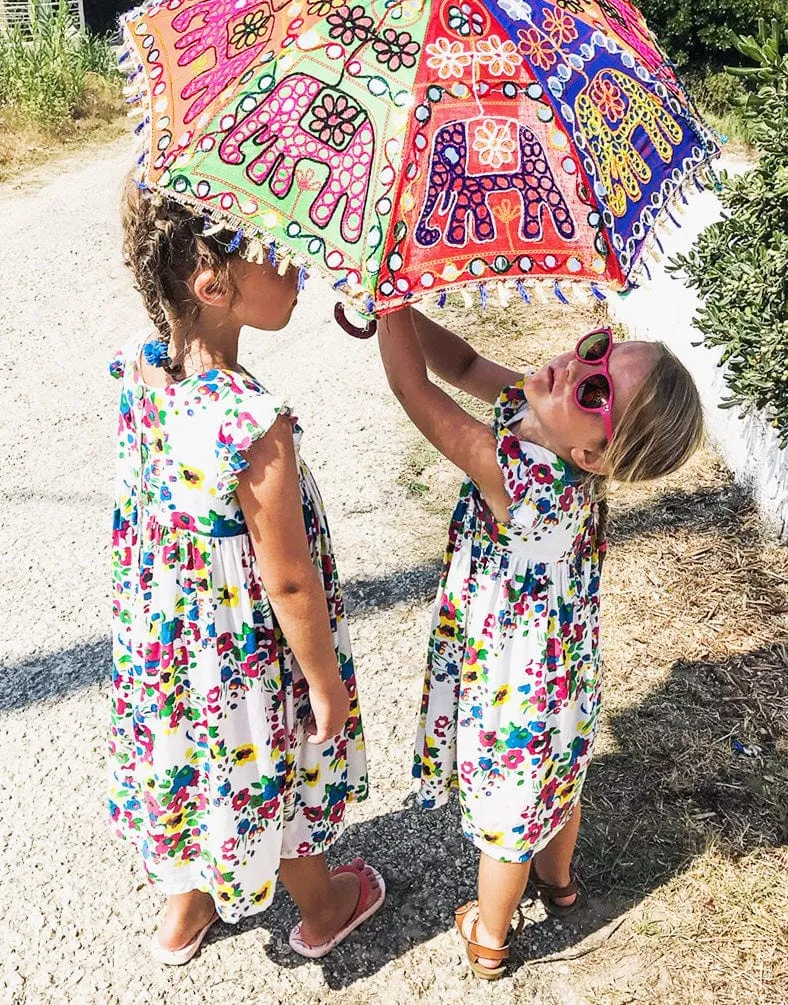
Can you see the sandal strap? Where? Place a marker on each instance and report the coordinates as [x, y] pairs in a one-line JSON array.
[[358, 868], [548, 890], [498, 955], [460, 913]]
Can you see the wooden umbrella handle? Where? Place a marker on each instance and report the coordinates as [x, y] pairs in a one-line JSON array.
[[367, 331]]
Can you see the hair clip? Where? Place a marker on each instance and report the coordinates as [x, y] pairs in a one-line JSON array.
[[157, 352]]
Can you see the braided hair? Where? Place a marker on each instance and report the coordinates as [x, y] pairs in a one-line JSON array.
[[164, 245]]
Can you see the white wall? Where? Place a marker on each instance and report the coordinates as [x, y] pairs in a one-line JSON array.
[[663, 310]]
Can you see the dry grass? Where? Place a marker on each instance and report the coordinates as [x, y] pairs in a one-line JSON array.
[[25, 145], [685, 806]]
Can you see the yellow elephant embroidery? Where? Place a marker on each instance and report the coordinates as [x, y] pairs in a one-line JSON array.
[[609, 109]]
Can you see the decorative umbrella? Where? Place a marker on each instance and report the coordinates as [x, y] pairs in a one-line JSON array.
[[406, 149]]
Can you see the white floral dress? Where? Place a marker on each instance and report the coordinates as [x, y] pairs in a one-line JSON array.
[[511, 697], [210, 773]]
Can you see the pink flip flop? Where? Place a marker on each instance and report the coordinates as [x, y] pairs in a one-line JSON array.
[[177, 957], [363, 910]]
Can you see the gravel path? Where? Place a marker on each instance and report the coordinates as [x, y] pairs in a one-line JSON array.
[[75, 915]]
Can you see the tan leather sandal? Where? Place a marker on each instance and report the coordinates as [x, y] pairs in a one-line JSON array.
[[476, 951], [548, 894]]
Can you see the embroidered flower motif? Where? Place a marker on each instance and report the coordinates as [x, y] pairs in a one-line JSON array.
[[536, 48], [395, 49], [465, 20], [319, 8], [500, 58], [559, 26], [449, 58], [334, 119], [349, 24], [306, 180], [250, 30], [494, 144], [608, 99]]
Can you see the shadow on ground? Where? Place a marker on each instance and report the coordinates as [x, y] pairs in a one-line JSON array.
[[705, 510], [674, 784], [380, 592], [55, 675]]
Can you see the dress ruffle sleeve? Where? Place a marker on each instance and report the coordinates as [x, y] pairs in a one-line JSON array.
[[254, 416]]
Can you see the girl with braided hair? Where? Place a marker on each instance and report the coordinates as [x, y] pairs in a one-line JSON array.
[[236, 739]]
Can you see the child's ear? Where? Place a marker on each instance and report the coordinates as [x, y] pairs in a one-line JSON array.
[[588, 460], [208, 289]]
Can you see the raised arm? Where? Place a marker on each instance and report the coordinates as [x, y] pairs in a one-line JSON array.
[[458, 363], [468, 443]]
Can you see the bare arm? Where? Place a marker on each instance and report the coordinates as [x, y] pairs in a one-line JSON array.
[[458, 363], [468, 443], [270, 497]]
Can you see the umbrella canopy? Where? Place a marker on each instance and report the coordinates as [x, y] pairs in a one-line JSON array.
[[407, 149]]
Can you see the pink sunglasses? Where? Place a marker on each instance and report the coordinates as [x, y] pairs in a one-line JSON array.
[[595, 393]]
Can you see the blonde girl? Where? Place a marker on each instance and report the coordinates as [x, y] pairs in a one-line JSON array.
[[511, 698]]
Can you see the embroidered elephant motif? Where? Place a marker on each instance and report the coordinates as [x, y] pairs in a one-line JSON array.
[[464, 196], [304, 119], [232, 40], [609, 109]]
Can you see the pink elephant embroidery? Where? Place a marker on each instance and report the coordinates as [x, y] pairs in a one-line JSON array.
[[233, 38], [304, 119]]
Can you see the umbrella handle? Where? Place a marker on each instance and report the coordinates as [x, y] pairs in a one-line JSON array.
[[367, 331]]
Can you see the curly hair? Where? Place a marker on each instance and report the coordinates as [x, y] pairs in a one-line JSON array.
[[163, 247]]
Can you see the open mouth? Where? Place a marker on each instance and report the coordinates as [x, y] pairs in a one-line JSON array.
[[550, 378]]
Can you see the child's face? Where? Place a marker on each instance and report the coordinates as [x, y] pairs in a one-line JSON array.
[[573, 432], [263, 298]]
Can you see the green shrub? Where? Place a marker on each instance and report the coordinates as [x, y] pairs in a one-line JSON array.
[[697, 34], [739, 265], [45, 69]]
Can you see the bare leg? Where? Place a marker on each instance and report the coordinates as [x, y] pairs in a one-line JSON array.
[[553, 861], [325, 902], [501, 888], [185, 915]]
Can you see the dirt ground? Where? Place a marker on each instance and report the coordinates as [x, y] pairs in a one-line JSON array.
[[682, 849]]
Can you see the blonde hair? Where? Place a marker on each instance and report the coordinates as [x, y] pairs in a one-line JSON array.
[[163, 247], [660, 430]]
